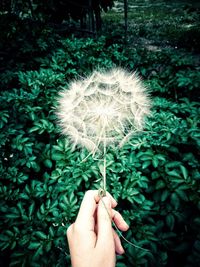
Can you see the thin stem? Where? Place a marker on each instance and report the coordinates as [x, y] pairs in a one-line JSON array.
[[104, 167], [118, 231]]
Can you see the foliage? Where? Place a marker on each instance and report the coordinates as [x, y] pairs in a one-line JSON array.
[[58, 14], [158, 22], [155, 178]]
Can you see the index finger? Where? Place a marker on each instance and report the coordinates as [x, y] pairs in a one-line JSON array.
[[88, 207]]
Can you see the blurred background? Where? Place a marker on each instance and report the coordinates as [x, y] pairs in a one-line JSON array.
[[155, 177]]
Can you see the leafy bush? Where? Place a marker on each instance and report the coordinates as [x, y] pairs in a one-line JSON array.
[[155, 178]]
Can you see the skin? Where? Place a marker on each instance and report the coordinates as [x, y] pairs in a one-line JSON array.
[[92, 240]]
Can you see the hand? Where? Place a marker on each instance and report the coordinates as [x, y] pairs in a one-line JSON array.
[[92, 240]]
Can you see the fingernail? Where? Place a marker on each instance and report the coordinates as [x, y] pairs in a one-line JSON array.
[[106, 201], [122, 251]]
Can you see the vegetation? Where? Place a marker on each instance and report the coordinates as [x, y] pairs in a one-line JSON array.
[[155, 178]]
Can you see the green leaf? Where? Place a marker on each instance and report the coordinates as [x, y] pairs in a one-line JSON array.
[[41, 235], [155, 175], [146, 164], [34, 129], [34, 245], [160, 184], [12, 216], [184, 171], [175, 200], [4, 238], [38, 253], [48, 246], [57, 156], [170, 221], [182, 194], [31, 209], [155, 162], [56, 174], [13, 244], [48, 163], [173, 173], [164, 195], [139, 198], [51, 231]]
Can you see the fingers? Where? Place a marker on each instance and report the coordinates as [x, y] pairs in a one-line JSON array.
[[113, 201], [106, 233], [119, 220], [89, 204], [95, 219], [85, 218], [118, 246], [104, 222], [69, 231], [121, 225]]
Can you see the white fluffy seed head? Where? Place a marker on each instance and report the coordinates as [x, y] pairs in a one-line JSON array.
[[103, 109]]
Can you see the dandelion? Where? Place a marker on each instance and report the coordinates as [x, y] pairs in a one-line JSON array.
[[104, 109]]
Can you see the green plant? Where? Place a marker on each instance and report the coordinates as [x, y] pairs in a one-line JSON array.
[[155, 177]]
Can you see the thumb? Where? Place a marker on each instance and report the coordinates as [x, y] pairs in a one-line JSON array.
[[104, 221]]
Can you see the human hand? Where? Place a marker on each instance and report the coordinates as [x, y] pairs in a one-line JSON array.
[[92, 240]]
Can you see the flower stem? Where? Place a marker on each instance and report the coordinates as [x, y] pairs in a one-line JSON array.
[[104, 166]]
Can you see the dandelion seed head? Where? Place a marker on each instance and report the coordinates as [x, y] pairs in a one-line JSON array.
[[104, 109]]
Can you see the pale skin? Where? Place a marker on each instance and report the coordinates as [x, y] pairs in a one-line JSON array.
[[92, 240]]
